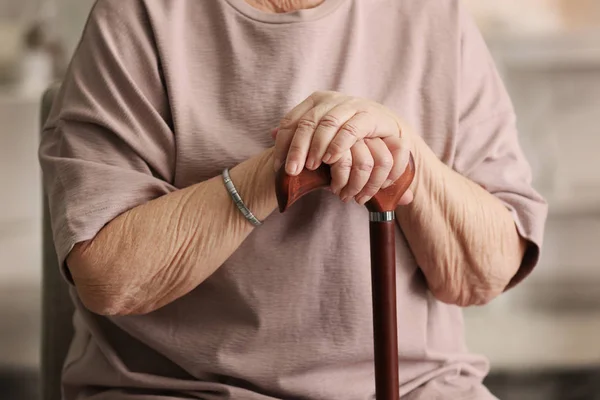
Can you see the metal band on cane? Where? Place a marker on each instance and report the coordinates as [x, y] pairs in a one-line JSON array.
[[237, 199], [386, 216]]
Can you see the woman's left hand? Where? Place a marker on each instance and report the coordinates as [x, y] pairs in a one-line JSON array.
[[326, 125]]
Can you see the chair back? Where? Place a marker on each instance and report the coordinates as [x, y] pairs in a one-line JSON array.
[[57, 307]]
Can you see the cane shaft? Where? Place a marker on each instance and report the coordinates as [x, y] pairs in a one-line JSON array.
[[383, 263], [385, 325]]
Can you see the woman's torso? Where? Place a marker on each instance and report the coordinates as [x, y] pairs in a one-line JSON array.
[[289, 314]]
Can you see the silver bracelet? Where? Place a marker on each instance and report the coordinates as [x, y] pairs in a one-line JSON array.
[[237, 199]]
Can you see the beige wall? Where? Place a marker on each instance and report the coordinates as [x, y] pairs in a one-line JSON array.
[[580, 13], [535, 16], [72, 15]]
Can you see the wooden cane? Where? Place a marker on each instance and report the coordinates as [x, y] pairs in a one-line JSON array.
[[383, 263]]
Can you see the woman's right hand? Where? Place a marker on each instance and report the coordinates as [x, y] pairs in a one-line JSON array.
[[364, 169]]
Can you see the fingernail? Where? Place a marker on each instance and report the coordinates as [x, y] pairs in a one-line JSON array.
[[310, 164], [277, 164], [387, 183], [326, 158], [362, 200], [347, 199], [291, 168]]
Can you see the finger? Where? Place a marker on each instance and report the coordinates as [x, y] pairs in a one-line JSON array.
[[274, 132], [303, 136], [400, 154], [328, 127], [340, 173], [362, 166], [286, 129], [383, 162], [407, 198], [359, 126], [366, 123]]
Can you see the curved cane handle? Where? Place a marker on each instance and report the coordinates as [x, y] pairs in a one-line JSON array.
[[290, 189]]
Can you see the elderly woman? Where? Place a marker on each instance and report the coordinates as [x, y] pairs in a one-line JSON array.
[[181, 296]]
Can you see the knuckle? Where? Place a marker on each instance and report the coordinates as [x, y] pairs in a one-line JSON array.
[[335, 147], [286, 122], [386, 162], [306, 123], [364, 166], [350, 130], [344, 164], [329, 121]]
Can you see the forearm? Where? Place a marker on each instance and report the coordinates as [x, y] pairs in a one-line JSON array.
[[463, 238], [159, 251]]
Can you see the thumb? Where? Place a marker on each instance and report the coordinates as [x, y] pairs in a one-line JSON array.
[[406, 198], [274, 133]]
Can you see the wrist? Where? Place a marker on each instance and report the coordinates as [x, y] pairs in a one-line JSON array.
[[254, 180], [428, 186], [423, 157], [428, 168]]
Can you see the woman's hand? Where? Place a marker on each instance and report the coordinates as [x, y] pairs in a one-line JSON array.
[[369, 165], [360, 139], [326, 125]]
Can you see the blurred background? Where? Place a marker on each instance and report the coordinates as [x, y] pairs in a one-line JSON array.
[[543, 338]]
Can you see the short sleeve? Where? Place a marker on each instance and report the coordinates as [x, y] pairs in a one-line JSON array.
[[487, 148], [108, 144]]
